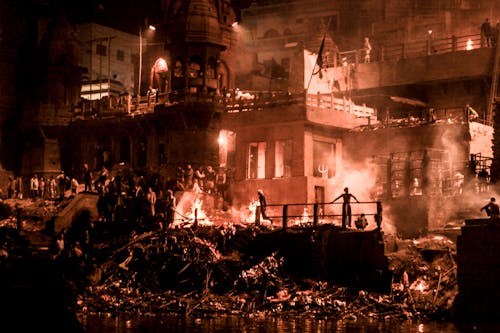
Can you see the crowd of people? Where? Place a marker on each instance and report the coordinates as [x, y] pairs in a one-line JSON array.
[[39, 187], [148, 198]]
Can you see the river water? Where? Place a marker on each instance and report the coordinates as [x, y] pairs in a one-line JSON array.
[[270, 324]]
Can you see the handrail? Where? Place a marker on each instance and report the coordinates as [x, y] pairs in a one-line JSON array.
[[413, 49], [316, 213]]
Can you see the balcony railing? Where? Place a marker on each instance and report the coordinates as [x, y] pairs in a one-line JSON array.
[[413, 49]]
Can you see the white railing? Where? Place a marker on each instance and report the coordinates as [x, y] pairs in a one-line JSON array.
[[329, 102]]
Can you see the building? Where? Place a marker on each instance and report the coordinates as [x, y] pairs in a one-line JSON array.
[[111, 61], [281, 105]]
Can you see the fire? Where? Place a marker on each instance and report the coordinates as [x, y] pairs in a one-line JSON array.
[[195, 214], [198, 214], [420, 286], [304, 219], [252, 208], [469, 45]]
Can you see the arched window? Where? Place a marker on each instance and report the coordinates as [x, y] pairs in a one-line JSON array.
[[287, 31]]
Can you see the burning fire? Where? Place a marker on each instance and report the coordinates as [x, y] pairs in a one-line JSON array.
[[419, 285]]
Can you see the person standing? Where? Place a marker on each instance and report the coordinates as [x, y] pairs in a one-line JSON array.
[[41, 187], [367, 47], [151, 197], [34, 186], [346, 207], [52, 187], [486, 33], [169, 209], [263, 206], [87, 178]]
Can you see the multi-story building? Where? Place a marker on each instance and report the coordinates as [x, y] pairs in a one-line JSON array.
[[110, 58], [255, 99]]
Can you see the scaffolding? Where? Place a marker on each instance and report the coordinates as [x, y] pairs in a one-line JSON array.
[[414, 173]]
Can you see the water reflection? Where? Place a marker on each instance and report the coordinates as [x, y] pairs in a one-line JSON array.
[[270, 324]]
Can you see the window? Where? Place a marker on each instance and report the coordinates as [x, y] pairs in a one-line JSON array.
[[101, 50], [283, 158], [120, 55], [256, 160], [324, 159]]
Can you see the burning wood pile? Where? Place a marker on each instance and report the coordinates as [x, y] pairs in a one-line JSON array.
[[207, 270], [200, 271]]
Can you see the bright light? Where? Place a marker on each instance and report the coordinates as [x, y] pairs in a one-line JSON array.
[[429, 31], [222, 140], [469, 45], [152, 27], [234, 24]]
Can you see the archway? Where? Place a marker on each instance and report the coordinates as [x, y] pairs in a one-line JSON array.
[[159, 75]]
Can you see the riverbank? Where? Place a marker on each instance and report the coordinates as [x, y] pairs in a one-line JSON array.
[[204, 271]]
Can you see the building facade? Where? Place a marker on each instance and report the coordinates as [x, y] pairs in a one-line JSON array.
[[279, 103]]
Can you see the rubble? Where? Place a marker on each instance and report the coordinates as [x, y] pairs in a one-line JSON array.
[[202, 271]]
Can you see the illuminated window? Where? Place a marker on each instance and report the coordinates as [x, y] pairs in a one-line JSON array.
[[256, 160], [283, 158], [101, 50], [324, 159]]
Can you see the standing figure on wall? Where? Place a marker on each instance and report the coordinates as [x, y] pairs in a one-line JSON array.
[[159, 76], [346, 207]]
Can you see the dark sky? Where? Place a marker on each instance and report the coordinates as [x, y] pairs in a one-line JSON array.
[[122, 14]]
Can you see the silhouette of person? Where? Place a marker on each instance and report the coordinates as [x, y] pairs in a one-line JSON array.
[[346, 207], [487, 33], [361, 222], [263, 205], [492, 209]]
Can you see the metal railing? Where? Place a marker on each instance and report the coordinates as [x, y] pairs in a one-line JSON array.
[[413, 49], [321, 211]]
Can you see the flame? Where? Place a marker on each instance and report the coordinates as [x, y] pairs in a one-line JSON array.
[[420, 286], [469, 45], [196, 213]]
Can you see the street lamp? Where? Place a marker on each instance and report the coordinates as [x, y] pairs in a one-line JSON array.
[[152, 28]]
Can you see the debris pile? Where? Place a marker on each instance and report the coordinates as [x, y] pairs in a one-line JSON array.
[[205, 270], [192, 271]]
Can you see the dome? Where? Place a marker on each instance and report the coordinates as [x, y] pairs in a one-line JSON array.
[[202, 25]]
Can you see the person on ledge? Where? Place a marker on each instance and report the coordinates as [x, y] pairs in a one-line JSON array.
[[346, 207]]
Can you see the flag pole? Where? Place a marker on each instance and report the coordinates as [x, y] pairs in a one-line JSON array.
[[320, 51]]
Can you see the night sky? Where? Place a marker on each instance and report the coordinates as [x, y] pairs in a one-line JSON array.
[[121, 14]]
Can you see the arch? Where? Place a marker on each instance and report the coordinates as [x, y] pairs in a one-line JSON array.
[[287, 31], [159, 75]]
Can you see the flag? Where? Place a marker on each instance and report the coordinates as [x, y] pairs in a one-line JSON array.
[[319, 60]]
